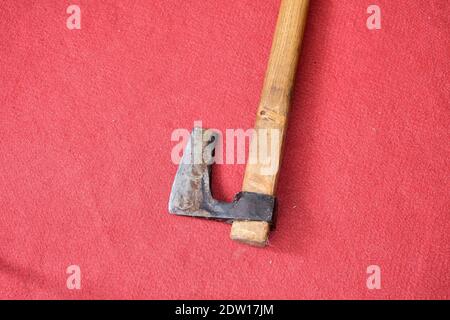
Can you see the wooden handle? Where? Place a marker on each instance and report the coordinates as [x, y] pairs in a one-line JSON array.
[[261, 174]]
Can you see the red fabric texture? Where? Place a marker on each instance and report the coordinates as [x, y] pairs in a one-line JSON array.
[[86, 118]]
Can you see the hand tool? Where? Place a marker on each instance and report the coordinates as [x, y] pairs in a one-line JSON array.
[[251, 211]]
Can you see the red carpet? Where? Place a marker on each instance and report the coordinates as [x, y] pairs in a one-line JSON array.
[[86, 118]]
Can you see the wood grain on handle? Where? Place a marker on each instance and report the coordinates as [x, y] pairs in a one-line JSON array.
[[272, 113]]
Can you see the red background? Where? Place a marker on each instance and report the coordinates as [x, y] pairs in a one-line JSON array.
[[85, 171]]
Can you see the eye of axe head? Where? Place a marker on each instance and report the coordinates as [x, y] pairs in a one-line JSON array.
[[191, 192]]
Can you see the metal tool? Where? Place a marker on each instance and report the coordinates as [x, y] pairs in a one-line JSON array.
[[251, 211]]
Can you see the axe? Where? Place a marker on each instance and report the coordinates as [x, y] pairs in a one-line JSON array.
[[251, 211]]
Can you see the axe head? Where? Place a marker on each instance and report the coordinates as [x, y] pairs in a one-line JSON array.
[[191, 192]]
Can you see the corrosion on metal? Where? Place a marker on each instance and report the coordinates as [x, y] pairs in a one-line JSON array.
[[191, 192]]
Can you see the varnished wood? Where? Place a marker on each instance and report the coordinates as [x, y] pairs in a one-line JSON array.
[[273, 113]]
